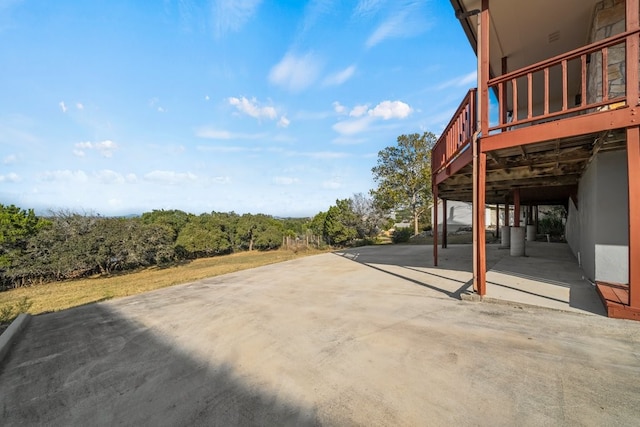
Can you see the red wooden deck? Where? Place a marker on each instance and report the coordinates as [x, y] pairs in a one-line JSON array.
[[615, 298]]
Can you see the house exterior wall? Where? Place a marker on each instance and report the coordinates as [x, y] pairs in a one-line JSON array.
[[597, 229], [608, 20], [612, 228], [460, 214]]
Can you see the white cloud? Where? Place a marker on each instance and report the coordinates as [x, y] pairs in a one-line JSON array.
[[155, 103], [206, 97], [232, 15], [79, 106], [225, 148], [351, 127], [391, 110], [324, 155], [251, 107], [131, 177], [213, 133], [364, 117], [10, 159], [285, 180], [467, 79], [170, 177], [339, 108], [332, 184], [105, 148], [64, 175], [367, 7], [221, 180], [62, 106], [10, 177], [283, 122], [107, 176], [359, 110], [340, 77], [295, 73], [405, 20]]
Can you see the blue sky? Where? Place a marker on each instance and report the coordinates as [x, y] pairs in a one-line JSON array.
[[279, 107]]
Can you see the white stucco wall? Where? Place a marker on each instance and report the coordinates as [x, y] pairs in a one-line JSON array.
[[460, 214], [612, 229], [597, 229]]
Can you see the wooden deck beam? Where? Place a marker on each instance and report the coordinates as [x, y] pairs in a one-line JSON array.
[[579, 125]]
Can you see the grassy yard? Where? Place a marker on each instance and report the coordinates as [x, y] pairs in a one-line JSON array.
[[61, 295]]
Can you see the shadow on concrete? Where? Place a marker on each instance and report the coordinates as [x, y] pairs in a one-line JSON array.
[[410, 263], [549, 276], [91, 366]]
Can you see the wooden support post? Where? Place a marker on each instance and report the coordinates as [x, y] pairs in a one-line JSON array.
[[536, 216], [482, 249], [444, 223], [480, 158], [633, 168], [435, 225], [497, 221], [516, 207]]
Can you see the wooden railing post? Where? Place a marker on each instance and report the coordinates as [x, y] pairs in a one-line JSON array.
[[633, 23]]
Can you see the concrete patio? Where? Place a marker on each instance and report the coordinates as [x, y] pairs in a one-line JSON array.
[[547, 277], [370, 336]]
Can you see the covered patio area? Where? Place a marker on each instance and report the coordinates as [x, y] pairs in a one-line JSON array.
[[547, 277]]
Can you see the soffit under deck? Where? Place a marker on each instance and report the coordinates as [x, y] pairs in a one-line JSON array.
[[528, 31], [546, 172]]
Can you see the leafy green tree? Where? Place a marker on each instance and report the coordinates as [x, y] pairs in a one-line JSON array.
[[16, 226], [403, 175], [205, 235], [259, 232], [173, 219], [73, 245], [316, 225], [340, 224]]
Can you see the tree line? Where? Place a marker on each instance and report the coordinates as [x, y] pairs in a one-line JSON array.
[[67, 245]]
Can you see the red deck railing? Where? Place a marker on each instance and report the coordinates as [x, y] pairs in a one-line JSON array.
[[543, 92], [457, 135], [539, 79]]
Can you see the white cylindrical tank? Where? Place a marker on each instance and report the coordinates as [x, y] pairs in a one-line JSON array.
[[531, 233], [517, 241], [505, 241]]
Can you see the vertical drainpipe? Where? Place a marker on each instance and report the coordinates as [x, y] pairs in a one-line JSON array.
[[633, 152], [474, 152]]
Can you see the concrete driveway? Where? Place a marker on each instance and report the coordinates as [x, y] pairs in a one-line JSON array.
[[323, 340]]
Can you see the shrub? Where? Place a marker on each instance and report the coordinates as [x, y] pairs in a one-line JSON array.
[[401, 235]]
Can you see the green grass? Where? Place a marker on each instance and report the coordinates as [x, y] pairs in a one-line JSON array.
[[62, 295]]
